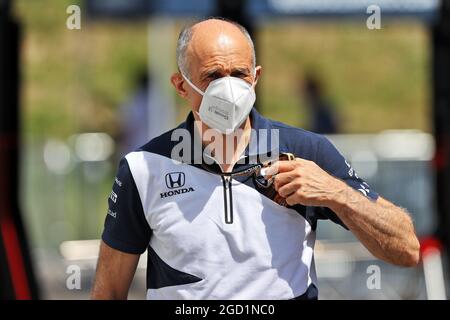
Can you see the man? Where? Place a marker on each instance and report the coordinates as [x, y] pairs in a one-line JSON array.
[[211, 228]]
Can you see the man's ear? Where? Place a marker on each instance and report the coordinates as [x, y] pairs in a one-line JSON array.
[[258, 71], [178, 83]]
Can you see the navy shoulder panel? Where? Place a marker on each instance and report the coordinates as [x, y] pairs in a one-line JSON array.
[[302, 143], [163, 144]]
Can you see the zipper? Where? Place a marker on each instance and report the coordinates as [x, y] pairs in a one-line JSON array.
[[228, 199]]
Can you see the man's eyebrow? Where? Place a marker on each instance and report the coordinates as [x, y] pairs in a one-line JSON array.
[[212, 72], [218, 72], [241, 70]]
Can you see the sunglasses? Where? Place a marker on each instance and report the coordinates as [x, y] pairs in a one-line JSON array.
[[260, 180]]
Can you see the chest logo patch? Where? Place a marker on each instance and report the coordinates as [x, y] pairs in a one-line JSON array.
[[175, 181]]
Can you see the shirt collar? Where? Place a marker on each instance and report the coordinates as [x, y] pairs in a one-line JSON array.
[[259, 146]]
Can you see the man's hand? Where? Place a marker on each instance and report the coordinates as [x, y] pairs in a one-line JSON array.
[[304, 182], [384, 229]]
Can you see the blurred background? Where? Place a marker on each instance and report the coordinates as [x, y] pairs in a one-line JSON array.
[[74, 100]]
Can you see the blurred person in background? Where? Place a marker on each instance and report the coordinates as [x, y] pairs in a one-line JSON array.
[[211, 228], [323, 119], [134, 116], [144, 115]]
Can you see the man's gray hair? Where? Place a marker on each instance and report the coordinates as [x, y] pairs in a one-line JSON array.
[[186, 35]]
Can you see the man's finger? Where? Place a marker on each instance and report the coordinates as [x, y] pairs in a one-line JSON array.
[[284, 166], [278, 167], [287, 189], [292, 199], [270, 170], [283, 178]]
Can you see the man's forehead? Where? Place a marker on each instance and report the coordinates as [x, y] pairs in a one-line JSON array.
[[212, 26], [219, 41], [224, 40]]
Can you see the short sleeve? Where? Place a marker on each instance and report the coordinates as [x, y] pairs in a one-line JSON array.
[[332, 161], [126, 228]]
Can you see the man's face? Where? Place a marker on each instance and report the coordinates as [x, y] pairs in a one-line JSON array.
[[217, 49]]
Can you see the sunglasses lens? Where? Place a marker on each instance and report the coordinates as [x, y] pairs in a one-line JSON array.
[[263, 182]]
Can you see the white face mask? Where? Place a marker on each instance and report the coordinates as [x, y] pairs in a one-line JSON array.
[[226, 103]]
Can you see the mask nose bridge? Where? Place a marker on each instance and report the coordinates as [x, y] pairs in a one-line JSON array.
[[244, 93], [230, 87]]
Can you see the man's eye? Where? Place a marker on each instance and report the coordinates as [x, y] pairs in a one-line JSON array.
[[213, 76], [238, 75]]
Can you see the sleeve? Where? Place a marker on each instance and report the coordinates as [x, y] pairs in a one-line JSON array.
[[332, 161], [126, 228]]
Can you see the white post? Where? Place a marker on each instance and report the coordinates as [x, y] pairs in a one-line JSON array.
[[434, 275], [161, 64]]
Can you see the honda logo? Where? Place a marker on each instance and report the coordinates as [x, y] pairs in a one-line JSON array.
[[175, 180]]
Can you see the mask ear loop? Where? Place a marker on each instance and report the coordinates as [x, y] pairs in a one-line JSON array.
[[192, 85], [254, 81]]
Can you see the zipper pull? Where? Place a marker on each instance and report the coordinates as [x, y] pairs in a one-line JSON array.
[[228, 199]]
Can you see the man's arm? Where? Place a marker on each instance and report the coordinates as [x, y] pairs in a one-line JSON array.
[[115, 271], [384, 229]]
